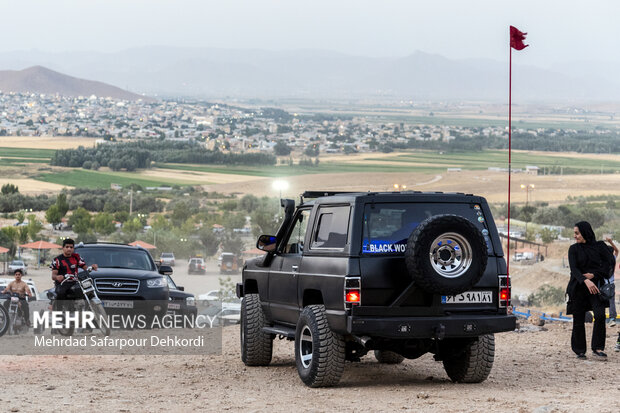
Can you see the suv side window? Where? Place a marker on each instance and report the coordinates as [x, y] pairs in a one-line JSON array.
[[332, 228], [295, 243]]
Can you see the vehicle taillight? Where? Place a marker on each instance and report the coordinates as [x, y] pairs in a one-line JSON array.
[[353, 296], [504, 294], [504, 291], [352, 291]]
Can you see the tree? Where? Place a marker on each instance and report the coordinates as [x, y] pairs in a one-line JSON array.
[[8, 189], [208, 240], [132, 226], [281, 149], [80, 221], [20, 216], [312, 150], [104, 223], [249, 203], [8, 236], [33, 227], [547, 235], [180, 214], [62, 204], [52, 215], [231, 242]]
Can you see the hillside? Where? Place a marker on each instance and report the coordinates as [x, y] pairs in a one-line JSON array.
[[39, 79]]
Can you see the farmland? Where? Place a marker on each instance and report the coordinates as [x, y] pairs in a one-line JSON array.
[[417, 170]]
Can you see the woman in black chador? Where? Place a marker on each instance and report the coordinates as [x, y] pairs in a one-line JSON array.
[[590, 262]]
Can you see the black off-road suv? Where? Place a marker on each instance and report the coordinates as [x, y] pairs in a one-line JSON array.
[[402, 274]]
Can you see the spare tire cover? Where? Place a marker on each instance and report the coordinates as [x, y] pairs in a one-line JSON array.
[[446, 254]]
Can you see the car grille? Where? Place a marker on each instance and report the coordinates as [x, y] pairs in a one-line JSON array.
[[117, 285]]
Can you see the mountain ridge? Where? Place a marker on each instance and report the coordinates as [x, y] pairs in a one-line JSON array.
[[39, 79]]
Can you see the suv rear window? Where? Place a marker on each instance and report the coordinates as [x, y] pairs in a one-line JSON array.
[[117, 258], [388, 226]]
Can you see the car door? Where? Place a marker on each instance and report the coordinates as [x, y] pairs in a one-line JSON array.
[[284, 269]]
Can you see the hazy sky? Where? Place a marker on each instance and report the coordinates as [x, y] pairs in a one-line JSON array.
[[558, 31]]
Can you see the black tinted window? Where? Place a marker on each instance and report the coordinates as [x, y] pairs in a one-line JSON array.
[[388, 226], [332, 228], [117, 258]]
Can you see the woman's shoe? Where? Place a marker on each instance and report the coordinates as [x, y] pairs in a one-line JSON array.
[[599, 355], [581, 356]]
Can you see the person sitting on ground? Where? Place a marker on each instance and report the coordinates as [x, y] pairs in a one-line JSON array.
[[21, 288]]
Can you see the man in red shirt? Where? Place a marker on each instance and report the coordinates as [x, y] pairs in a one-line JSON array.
[[65, 265]]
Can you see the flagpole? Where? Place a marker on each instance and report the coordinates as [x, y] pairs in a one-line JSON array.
[[509, 155]]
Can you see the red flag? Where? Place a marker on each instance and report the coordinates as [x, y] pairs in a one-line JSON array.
[[516, 39]]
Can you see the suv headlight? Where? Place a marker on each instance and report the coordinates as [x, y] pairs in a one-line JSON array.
[[190, 301], [156, 282]]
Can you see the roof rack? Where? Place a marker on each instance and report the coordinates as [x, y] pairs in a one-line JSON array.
[[318, 194]]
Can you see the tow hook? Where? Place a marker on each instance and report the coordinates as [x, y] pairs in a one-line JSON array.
[[440, 332], [362, 340]]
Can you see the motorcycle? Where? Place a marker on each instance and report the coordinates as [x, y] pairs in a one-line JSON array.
[[83, 289], [4, 321], [15, 317]]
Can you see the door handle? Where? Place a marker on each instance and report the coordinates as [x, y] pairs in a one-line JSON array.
[[295, 268]]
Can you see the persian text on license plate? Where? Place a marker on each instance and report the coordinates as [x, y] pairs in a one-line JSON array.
[[174, 306], [468, 297], [118, 304]]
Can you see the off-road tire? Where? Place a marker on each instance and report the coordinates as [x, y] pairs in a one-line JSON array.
[[326, 349], [388, 357], [474, 363], [256, 345], [424, 270]]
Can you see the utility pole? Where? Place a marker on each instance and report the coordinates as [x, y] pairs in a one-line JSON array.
[[130, 202]]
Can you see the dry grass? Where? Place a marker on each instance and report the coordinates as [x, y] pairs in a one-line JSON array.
[[45, 142], [492, 185], [31, 186], [196, 177]]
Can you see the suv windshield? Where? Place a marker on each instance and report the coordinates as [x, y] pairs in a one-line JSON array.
[[117, 258], [388, 226]]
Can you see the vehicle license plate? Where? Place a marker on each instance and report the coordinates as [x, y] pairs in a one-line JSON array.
[[174, 306], [468, 297], [118, 304]]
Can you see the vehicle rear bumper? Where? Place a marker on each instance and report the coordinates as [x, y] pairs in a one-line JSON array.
[[430, 327]]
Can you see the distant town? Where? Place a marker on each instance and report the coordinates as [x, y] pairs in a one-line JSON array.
[[233, 129]]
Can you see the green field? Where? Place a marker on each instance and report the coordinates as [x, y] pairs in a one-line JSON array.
[[486, 159], [96, 179], [27, 153], [285, 170]]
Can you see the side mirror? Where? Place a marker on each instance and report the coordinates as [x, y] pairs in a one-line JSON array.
[[165, 269], [266, 243], [180, 288]]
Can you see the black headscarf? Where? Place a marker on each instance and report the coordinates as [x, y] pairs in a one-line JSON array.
[[586, 231], [598, 258]]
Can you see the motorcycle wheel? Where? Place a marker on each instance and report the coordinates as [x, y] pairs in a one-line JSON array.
[[99, 314], [64, 331], [12, 317], [4, 321]]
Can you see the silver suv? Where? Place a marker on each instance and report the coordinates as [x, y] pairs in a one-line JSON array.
[[167, 258]]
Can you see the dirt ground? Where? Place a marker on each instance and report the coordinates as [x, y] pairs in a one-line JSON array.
[[534, 371], [492, 185]]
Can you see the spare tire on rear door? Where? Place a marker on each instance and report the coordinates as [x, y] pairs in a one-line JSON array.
[[446, 254]]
